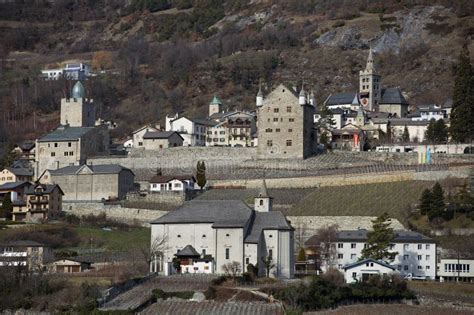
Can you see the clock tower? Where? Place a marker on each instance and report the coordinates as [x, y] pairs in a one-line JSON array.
[[369, 85]]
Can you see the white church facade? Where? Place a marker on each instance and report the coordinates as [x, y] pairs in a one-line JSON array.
[[205, 235]]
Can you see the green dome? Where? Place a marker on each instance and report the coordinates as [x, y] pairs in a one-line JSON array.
[[216, 101], [78, 90]]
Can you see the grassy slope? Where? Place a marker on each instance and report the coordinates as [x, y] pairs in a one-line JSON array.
[[372, 199]]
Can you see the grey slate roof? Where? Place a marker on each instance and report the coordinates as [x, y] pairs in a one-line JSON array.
[[392, 96], [65, 133], [21, 171], [407, 122], [401, 236], [159, 134], [21, 243], [96, 169], [13, 185], [188, 251], [273, 220], [205, 122], [358, 263], [341, 98], [47, 189], [221, 213]]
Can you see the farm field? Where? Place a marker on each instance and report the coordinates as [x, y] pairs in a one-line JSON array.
[[395, 198], [377, 309]]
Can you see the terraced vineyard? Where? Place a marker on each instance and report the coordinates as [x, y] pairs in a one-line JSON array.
[[370, 199]]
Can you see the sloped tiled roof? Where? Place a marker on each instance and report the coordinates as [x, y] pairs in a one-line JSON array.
[[21, 171], [22, 243], [47, 189], [167, 178], [400, 236], [13, 185], [362, 262], [229, 213], [65, 133], [188, 251], [159, 134], [96, 169], [273, 220], [341, 98], [393, 96]]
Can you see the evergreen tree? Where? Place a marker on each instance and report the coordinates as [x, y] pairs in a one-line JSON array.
[[201, 174], [7, 207], [462, 114], [437, 202], [440, 133], [425, 201], [324, 139], [430, 131], [379, 240], [301, 255], [406, 135]]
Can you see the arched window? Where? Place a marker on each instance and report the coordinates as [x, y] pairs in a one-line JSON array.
[[261, 202]]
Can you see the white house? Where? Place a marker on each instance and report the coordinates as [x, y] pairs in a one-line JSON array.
[[191, 261], [225, 231], [172, 183], [364, 269], [416, 253], [429, 112], [72, 71], [193, 131]]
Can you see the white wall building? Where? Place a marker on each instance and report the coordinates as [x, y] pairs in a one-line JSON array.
[[172, 183], [429, 112], [225, 231], [364, 269], [72, 71], [193, 131], [453, 269], [416, 253]]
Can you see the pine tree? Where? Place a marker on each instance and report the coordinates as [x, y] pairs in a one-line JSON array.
[[437, 202], [462, 114], [379, 240], [301, 255], [201, 174], [406, 135], [430, 131], [7, 207], [425, 201], [440, 133]]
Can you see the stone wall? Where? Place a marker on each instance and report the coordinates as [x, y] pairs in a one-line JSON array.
[[168, 197], [115, 212]]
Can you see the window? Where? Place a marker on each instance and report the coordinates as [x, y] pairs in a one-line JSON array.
[[405, 246], [420, 268], [268, 130], [339, 266], [275, 119], [288, 143], [179, 235], [288, 109], [427, 267], [340, 256], [427, 246], [290, 130], [291, 120], [270, 236], [277, 130], [353, 245], [354, 275], [227, 253], [55, 145], [204, 236], [405, 257], [71, 153], [420, 246], [276, 110], [340, 245], [53, 153], [69, 144], [227, 235], [204, 251], [427, 257], [270, 253], [405, 267], [269, 143], [247, 261], [261, 202], [353, 256], [66, 153], [419, 257]]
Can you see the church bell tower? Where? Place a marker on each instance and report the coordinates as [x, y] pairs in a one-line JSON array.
[[369, 85]]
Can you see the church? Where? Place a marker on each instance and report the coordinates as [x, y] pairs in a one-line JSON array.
[[203, 236], [371, 95]]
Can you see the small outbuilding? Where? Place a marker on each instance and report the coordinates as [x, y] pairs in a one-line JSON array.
[[70, 265], [366, 268]]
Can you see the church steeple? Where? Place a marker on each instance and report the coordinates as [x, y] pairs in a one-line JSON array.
[[263, 202], [370, 62], [259, 100], [302, 97], [369, 84]]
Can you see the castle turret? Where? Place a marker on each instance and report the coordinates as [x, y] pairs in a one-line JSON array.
[[78, 111], [312, 98], [259, 100], [215, 106], [263, 202], [78, 90], [302, 97]]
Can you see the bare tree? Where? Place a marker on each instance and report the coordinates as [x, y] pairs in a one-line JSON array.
[[232, 269], [324, 247], [156, 250], [268, 264], [301, 231]]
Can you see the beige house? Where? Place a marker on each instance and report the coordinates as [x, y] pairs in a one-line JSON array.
[[15, 174], [285, 124], [92, 182], [30, 254], [158, 140], [42, 202], [69, 265], [69, 146], [137, 135], [234, 129], [348, 138]]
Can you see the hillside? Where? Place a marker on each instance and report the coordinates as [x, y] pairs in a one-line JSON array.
[[184, 51]]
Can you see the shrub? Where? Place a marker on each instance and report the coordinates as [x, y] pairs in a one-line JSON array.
[[160, 294], [218, 281]]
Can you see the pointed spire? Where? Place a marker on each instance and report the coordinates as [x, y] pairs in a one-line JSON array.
[[260, 89], [370, 60], [259, 98], [263, 193], [302, 92]]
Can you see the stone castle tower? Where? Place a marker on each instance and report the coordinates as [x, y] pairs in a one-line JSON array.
[[215, 106], [285, 124], [78, 111], [369, 85]]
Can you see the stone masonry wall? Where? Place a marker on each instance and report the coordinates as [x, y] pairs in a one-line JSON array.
[[174, 198], [115, 212]]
